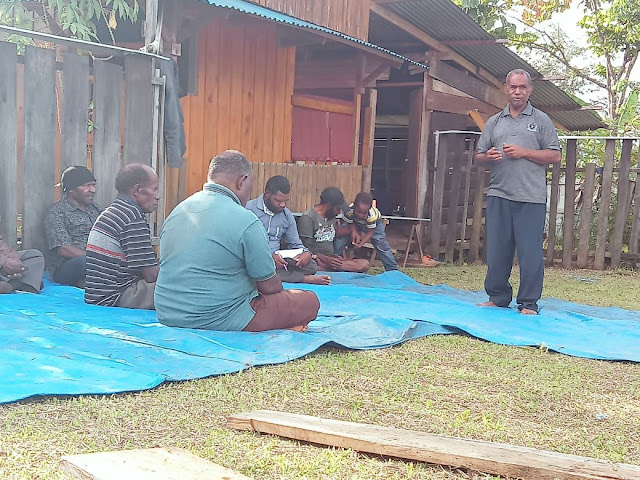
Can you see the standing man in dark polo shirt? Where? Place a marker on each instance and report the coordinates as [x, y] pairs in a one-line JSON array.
[[271, 209], [67, 226], [216, 269], [121, 265], [518, 143]]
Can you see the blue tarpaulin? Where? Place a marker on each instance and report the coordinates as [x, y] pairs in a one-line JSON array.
[[55, 344]]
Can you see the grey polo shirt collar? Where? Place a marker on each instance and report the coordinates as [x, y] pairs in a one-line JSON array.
[[528, 110]]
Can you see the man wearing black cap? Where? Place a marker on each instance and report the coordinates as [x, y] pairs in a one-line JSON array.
[[318, 228], [68, 224]]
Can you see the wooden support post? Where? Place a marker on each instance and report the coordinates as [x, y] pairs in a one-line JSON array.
[[635, 223], [569, 203], [368, 138], [357, 116], [438, 193], [622, 212], [605, 203], [553, 213], [586, 214], [478, 205]]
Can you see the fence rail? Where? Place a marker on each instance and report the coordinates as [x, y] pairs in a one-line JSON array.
[[593, 208]]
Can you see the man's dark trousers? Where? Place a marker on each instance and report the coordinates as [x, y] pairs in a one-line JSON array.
[[72, 271], [514, 227]]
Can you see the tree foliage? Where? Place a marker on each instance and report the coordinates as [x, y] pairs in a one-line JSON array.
[[69, 18], [611, 28]]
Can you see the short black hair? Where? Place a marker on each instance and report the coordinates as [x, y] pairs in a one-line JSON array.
[[363, 198], [332, 196], [276, 184], [229, 162], [131, 175]]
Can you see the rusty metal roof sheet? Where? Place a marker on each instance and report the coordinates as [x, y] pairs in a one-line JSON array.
[[445, 22]]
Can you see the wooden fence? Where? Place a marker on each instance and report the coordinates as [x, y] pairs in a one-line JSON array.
[[598, 218], [308, 181], [48, 100]]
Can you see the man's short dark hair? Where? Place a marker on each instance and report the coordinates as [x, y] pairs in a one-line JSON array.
[[230, 162], [363, 198], [132, 175], [276, 184]]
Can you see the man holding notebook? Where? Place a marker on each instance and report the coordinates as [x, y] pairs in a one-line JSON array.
[[293, 263]]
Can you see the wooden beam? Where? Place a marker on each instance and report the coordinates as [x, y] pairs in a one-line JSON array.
[[443, 102], [377, 73], [368, 137], [150, 463], [510, 461], [469, 85], [323, 104], [398, 84], [477, 118], [433, 43]]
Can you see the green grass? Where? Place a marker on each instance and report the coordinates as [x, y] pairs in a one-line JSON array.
[[453, 385]]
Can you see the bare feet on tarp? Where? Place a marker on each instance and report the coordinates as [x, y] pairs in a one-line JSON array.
[[486, 304], [317, 279], [528, 311], [299, 328]]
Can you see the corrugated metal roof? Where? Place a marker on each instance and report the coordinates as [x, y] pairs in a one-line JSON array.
[[268, 14], [444, 21]]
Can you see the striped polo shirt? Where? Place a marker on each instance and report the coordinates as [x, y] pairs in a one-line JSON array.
[[119, 246]]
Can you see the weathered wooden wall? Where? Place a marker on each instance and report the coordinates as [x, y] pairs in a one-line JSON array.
[[245, 84], [44, 106], [308, 181], [346, 16]]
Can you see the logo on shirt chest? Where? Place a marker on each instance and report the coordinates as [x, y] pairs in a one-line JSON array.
[[532, 127]]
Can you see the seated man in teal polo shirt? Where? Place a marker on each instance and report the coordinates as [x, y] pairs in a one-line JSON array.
[[216, 269]]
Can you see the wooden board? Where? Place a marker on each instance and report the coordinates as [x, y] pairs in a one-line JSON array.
[[569, 203], [622, 212], [108, 114], [553, 213], [39, 143], [510, 461], [75, 110], [586, 214], [478, 205], [138, 122], [605, 203], [8, 143], [438, 194], [146, 464], [635, 223]]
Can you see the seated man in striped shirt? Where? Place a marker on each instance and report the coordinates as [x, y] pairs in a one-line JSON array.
[[121, 265]]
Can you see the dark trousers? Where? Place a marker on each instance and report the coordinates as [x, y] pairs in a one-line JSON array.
[[379, 242], [72, 272], [295, 274], [514, 227]]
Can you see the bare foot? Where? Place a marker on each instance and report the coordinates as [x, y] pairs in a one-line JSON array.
[[299, 328], [528, 311], [317, 279], [486, 304]]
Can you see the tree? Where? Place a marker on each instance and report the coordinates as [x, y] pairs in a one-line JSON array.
[[612, 29], [68, 18]]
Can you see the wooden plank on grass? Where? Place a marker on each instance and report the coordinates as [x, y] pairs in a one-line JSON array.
[[150, 463], [553, 212], [586, 214], [8, 143], [510, 461], [39, 143], [605, 203]]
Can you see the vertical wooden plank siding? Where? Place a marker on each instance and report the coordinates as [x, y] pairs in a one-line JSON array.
[[622, 212], [8, 143], [553, 213], [245, 84], [605, 203], [75, 109], [368, 138], [569, 203], [635, 223], [346, 16], [465, 201], [586, 214], [478, 205], [39, 132], [108, 114], [138, 122], [438, 193]]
